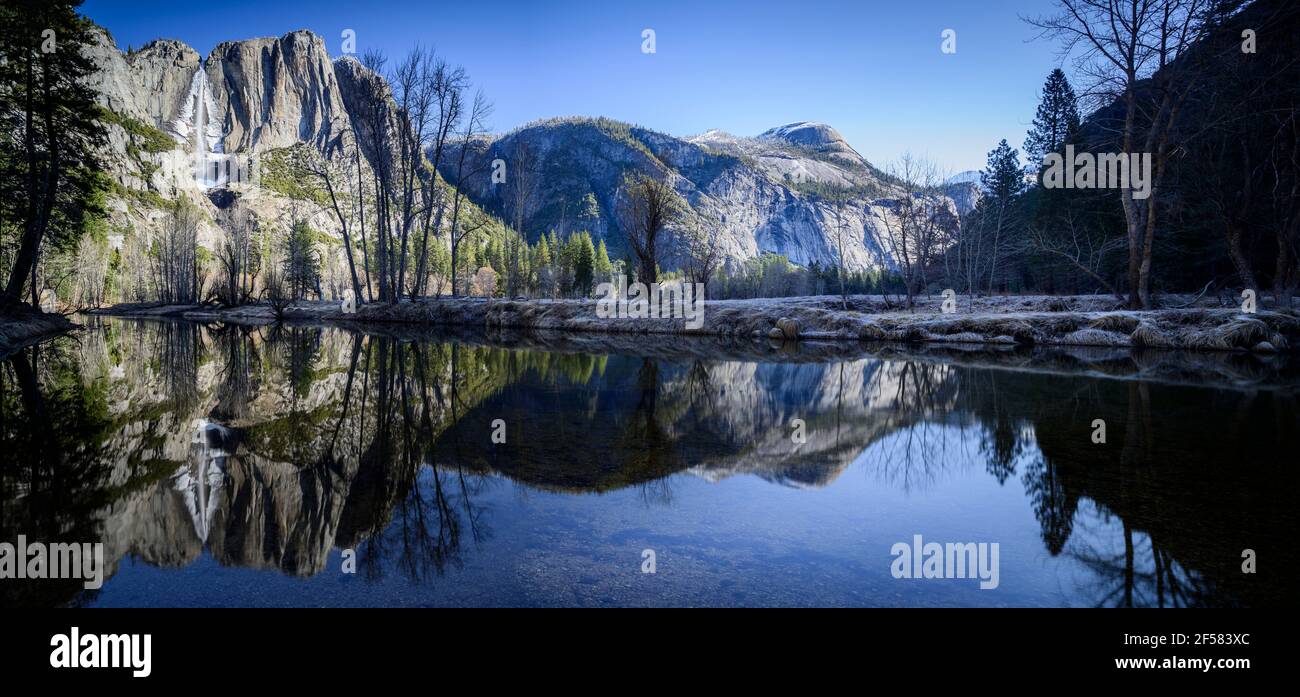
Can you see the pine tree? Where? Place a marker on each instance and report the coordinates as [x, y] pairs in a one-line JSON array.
[[602, 266], [584, 264], [543, 253], [1057, 119], [50, 131], [994, 216], [1001, 179], [300, 261]]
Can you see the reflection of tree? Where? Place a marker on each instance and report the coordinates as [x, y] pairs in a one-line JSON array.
[[700, 390], [1136, 573], [348, 440], [239, 372], [911, 456], [53, 472], [177, 348], [644, 442], [300, 348], [1177, 515], [1053, 505], [406, 505]]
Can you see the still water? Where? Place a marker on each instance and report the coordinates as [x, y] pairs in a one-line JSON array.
[[248, 466]]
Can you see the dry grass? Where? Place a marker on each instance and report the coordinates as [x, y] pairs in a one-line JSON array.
[[1092, 336], [1024, 321], [1122, 322]]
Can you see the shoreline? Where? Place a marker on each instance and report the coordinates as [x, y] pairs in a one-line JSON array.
[[1083, 321], [25, 326]]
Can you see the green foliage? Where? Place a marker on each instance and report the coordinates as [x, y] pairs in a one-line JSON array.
[[602, 266], [142, 136], [144, 198], [825, 190], [773, 276], [1002, 178], [47, 105], [300, 260], [282, 172]]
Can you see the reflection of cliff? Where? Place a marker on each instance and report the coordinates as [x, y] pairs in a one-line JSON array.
[[642, 419], [269, 448]]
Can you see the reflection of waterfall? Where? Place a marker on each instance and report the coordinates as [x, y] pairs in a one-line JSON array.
[[197, 125], [204, 475]]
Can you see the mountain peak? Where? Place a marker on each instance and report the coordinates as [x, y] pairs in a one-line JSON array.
[[805, 133]]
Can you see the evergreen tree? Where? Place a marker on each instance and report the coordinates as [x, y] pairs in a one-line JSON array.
[[631, 268], [542, 253], [1001, 179], [301, 262], [50, 129], [602, 266], [584, 264], [1057, 119], [994, 217]]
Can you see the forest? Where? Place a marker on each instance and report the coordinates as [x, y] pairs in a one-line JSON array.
[[1207, 89]]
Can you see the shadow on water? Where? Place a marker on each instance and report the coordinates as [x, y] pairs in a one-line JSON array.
[[268, 448]]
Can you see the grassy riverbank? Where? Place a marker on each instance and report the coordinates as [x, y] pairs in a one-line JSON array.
[[1203, 325]]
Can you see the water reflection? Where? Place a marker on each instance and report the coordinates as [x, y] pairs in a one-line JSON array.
[[269, 448]]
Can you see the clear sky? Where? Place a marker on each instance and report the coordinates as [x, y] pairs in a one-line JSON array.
[[873, 69]]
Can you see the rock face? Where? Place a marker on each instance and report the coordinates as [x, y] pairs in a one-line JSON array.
[[273, 93], [219, 115], [964, 190], [247, 97], [148, 84], [763, 194]]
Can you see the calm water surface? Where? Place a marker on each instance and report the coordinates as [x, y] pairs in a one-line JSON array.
[[229, 466]]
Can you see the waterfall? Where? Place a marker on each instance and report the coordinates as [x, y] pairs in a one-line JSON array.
[[199, 124], [200, 480]]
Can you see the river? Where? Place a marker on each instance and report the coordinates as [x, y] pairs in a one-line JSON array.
[[318, 466]]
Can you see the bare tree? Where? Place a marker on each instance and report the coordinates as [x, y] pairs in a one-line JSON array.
[[1085, 253], [90, 271], [969, 254], [175, 259], [839, 231], [475, 125], [1130, 50], [136, 264], [646, 207], [276, 291], [337, 175], [414, 83], [523, 183], [703, 253], [376, 137], [449, 85], [239, 259], [918, 226]]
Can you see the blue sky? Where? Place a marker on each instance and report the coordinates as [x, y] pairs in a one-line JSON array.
[[873, 69]]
